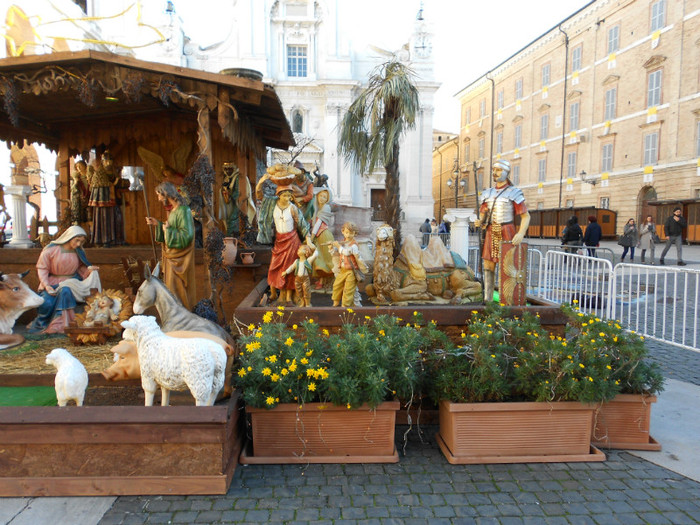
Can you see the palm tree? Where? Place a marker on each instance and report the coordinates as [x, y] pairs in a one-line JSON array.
[[372, 128]]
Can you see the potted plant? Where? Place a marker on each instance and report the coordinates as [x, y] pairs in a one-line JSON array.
[[514, 393], [316, 396], [621, 422]]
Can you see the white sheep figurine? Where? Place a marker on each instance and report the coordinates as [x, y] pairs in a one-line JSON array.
[[176, 363], [71, 376]]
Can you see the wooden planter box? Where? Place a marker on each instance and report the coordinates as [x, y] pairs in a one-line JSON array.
[[516, 432], [118, 450], [623, 423], [322, 433]]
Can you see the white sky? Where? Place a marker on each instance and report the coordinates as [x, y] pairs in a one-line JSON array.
[[485, 33]]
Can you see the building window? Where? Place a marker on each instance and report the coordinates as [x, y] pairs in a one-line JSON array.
[[298, 122], [541, 170], [466, 151], [697, 139], [482, 108], [296, 61], [576, 57], [518, 136], [468, 116], [610, 104], [482, 143], [500, 97], [544, 126], [573, 116], [658, 15], [519, 89], [654, 88], [499, 142], [516, 174], [545, 75], [569, 203], [651, 148], [613, 39], [571, 165], [604, 203], [606, 158]]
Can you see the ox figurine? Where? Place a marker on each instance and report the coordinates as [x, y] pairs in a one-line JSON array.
[[15, 299]]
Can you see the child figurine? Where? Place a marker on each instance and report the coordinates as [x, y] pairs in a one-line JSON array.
[[302, 269], [346, 280], [102, 311]]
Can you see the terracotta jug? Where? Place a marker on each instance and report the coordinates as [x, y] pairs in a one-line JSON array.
[[230, 250], [248, 257]]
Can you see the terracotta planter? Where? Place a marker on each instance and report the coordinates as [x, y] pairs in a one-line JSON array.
[[623, 423], [516, 432], [321, 433]]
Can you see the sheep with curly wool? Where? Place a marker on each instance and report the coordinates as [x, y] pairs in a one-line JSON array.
[[71, 377], [176, 363]]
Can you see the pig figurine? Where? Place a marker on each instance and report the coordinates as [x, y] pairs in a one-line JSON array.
[[126, 360]]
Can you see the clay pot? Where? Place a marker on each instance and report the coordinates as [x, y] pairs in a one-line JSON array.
[[230, 250], [248, 257]]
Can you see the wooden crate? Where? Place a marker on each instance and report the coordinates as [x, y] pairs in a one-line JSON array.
[[118, 450]]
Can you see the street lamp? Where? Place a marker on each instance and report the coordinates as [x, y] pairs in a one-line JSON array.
[[456, 182], [588, 180]]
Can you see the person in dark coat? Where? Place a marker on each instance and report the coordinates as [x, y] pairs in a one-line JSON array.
[[572, 234], [673, 228], [593, 235], [425, 229]]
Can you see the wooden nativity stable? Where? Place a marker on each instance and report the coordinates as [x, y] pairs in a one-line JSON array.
[[76, 102]]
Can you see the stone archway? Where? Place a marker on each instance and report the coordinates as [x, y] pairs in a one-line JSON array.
[[646, 195]]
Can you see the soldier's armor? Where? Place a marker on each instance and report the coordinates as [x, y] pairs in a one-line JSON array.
[[499, 202]]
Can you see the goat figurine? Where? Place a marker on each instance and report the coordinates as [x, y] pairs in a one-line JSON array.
[[71, 377], [176, 364]]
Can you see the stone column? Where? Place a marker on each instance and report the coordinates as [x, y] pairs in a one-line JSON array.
[[459, 229], [20, 238]]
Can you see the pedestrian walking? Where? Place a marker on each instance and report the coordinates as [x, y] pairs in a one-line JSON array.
[[593, 235], [629, 239], [648, 238], [572, 234], [673, 229], [425, 229]]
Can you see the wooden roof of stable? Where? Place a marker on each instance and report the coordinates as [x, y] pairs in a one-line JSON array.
[[61, 90]]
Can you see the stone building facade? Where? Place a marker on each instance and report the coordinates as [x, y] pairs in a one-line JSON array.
[[602, 110]]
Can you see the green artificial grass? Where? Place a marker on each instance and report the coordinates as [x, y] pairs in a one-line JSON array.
[[16, 396]]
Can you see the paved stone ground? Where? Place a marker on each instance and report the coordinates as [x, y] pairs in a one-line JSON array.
[[424, 488]]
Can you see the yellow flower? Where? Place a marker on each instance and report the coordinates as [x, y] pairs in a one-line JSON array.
[[280, 314], [584, 324], [563, 343], [367, 317], [474, 312], [590, 379], [475, 335], [311, 321], [280, 308], [275, 378], [267, 317], [284, 372], [303, 361], [580, 314], [270, 400], [241, 372], [251, 327], [490, 332], [463, 335], [326, 332], [250, 369], [615, 339], [310, 372], [294, 327], [309, 353], [289, 341], [293, 366], [312, 387], [609, 367], [273, 359], [415, 313], [493, 355], [266, 371], [348, 405], [382, 333], [350, 311], [575, 301], [592, 340], [601, 334], [581, 365]]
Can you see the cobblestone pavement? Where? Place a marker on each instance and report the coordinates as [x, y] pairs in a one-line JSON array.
[[424, 488]]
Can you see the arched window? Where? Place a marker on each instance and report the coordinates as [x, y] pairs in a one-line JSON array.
[[297, 122]]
